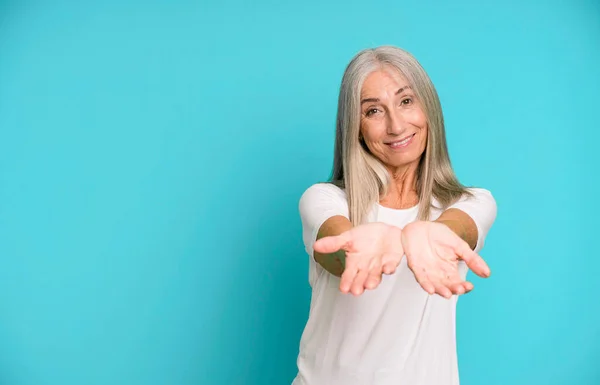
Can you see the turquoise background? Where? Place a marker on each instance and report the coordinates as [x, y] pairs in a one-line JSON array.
[[152, 155]]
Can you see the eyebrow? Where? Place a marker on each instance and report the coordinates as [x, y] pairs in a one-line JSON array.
[[375, 100]]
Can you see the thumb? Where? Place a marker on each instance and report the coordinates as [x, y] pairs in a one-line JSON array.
[[331, 244], [473, 260]]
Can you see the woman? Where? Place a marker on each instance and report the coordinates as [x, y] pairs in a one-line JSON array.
[[394, 228]]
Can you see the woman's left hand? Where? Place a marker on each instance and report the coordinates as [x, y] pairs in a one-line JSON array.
[[432, 251]]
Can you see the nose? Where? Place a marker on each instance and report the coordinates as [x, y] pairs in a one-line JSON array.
[[395, 123]]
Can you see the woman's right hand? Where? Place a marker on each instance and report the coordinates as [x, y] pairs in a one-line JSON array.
[[371, 250]]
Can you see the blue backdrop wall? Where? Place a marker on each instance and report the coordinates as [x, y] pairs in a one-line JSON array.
[[152, 155]]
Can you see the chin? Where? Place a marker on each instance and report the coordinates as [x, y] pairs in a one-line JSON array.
[[403, 161]]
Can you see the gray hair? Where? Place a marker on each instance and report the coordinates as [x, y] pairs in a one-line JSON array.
[[364, 178]]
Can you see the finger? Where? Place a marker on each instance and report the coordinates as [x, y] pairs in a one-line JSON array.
[[457, 288], [442, 290], [425, 283], [468, 286], [327, 245], [391, 261], [373, 278], [422, 278], [473, 260], [389, 268], [358, 285], [348, 275], [452, 280]]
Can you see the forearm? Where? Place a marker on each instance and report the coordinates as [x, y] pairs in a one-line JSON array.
[[461, 224], [334, 263]]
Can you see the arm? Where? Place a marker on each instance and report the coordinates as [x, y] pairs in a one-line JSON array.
[[482, 207], [461, 224], [457, 220], [334, 263], [471, 217], [465, 227], [324, 212], [341, 249]]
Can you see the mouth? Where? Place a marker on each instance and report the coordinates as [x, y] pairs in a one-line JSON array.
[[404, 142]]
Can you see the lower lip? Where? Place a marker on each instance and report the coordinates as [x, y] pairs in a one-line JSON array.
[[396, 146]]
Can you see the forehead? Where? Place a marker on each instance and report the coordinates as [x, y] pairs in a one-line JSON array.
[[385, 79]]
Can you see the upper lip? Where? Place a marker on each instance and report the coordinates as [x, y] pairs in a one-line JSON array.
[[400, 140]]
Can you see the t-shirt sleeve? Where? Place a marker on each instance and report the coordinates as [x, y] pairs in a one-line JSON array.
[[318, 203], [482, 208]]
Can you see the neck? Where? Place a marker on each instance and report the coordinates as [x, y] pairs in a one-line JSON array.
[[402, 192]]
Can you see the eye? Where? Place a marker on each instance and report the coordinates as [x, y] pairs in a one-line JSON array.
[[406, 101], [372, 111]]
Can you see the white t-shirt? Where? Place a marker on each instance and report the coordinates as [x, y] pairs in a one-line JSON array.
[[397, 334]]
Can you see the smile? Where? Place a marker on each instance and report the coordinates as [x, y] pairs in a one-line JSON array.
[[402, 143]]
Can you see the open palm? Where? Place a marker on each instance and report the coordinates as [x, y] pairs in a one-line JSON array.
[[371, 250], [433, 252]]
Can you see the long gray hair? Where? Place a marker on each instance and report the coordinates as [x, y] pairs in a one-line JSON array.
[[362, 175]]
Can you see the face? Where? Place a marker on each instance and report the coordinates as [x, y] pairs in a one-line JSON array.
[[393, 124]]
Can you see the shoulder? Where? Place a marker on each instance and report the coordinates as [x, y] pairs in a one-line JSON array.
[[323, 198], [479, 191], [479, 194], [323, 190], [479, 204], [481, 207], [471, 195]]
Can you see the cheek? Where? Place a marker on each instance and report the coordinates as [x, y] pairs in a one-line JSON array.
[[371, 138], [418, 119], [370, 131], [423, 141], [424, 132]]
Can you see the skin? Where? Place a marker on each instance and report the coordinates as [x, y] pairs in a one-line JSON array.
[[390, 112]]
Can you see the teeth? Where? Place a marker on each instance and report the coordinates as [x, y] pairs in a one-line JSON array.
[[404, 141]]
